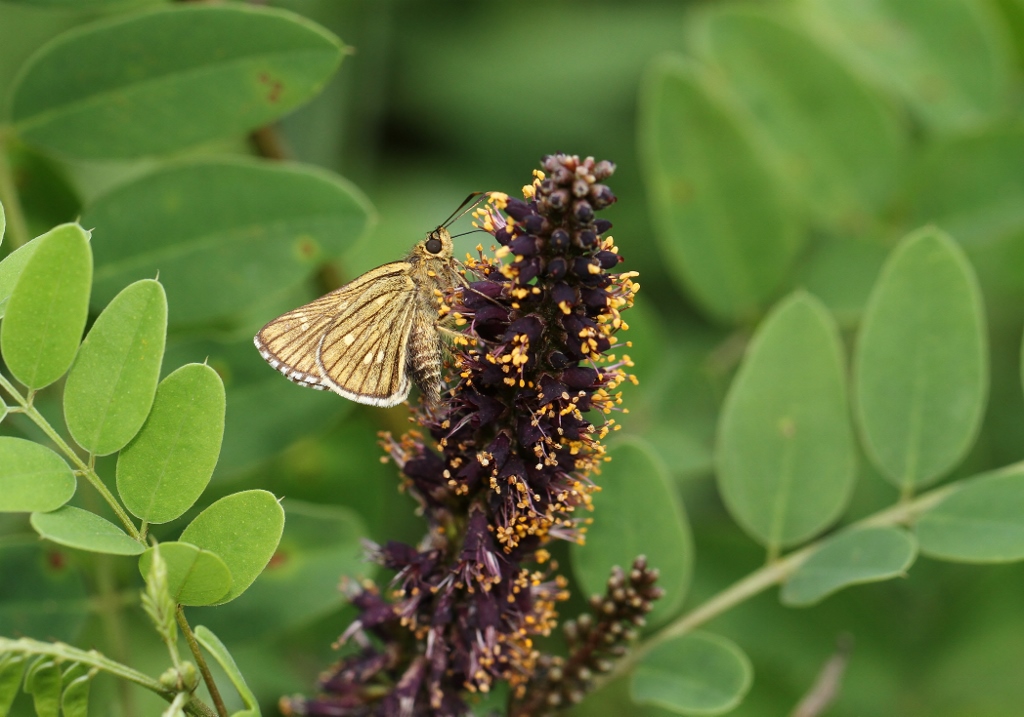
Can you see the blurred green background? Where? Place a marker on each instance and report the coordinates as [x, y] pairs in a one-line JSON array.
[[806, 137]]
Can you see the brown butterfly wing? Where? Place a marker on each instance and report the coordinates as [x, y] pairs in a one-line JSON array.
[[363, 355], [291, 342]]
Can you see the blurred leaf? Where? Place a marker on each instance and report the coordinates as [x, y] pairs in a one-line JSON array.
[[48, 600], [982, 522], [44, 191], [244, 530], [33, 477], [110, 388], [77, 528], [75, 700], [700, 163], [637, 513], [697, 674], [252, 433], [220, 653], [48, 308], [12, 666], [10, 270], [42, 681], [222, 233], [839, 144], [3, 410], [117, 4], [947, 58], [168, 465], [320, 546], [786, 455], [841, 272], [861, 556], [194, 576], [921, 362], [128, 87], [3, 222]]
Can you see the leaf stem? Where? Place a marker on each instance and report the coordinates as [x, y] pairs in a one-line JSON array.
[[762, 579], [86, 470], [17, 228], [91, 658], [204, 669]]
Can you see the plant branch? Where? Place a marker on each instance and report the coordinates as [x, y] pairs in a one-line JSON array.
[[771, 574], [204, 669], [91, 658], [17, 227], [83, 468]]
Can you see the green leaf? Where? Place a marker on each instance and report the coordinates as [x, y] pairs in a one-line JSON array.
[[33, 477], [42, 681], [11, 268], [907, 47], [75, 700], [48, 308], [3, 222], [637, 513], [700, 164], [77, 528], [194, 576], [3, 411], [223, 233], [867, 555], [111, 385], [981, 522], [320, 544], [42, 570], [131, 86], [921, 362], [12, 666], [838, 143], [697, 674], [220, 653], [168, 465], [786, 454], [244, 530]]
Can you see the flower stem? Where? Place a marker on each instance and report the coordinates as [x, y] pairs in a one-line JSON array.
[[17, 228], [83, 468], [771, 574], [91, 658], [204, 669]]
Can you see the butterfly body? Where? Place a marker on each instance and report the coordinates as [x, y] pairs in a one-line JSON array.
[[371, 339]]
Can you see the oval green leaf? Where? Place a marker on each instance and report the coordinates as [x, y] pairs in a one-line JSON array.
[[637, 513], [244, 530], [32, 477], [194, 576], [42, 681], [77, 528], [11, 268], [75, 700], [47, 310], [128, 87], [43, 569], [907, 47], [982, 522], [12, 667], [111, 385], [220, 653], [700, 164], [921, 361], [839, 144], [867, 555], [168, 465], [697, 674], [786, 454], [321, 543], [219, 233]]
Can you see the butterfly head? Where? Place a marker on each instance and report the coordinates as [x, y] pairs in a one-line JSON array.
[[436, 245]]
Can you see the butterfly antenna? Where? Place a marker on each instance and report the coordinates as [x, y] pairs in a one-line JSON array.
[[464, 209], [471, 231]]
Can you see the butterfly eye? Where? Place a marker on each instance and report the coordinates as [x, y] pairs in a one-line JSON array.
[[433, 245]]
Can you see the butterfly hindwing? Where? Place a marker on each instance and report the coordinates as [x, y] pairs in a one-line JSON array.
[[290, 343]]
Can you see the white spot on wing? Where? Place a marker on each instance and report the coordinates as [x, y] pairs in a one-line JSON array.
[[380, 356], [368, 358], [349, 339]]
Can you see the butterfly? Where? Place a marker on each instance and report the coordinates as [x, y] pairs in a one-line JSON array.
[[370, 340]]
